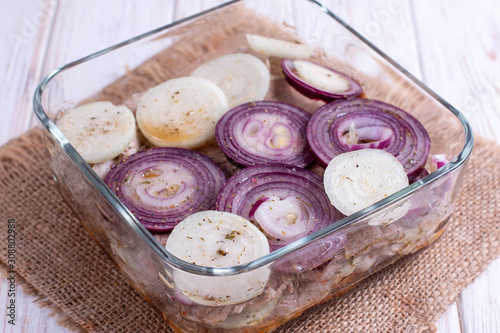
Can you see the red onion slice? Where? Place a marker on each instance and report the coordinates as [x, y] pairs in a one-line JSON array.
[[329, 127], [265, 132], [287, 203], [318, 82], [438, 161], [418, 175], [162, 186]]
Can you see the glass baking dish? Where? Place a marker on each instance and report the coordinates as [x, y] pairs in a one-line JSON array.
[[273, 289]]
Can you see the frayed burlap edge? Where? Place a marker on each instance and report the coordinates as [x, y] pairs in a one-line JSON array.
[[43, 302], [18, 157]]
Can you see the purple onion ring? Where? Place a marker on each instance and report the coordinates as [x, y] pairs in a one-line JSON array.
[[409, 143], [248, 190], [313, 92], [265, 132], [162, 186]]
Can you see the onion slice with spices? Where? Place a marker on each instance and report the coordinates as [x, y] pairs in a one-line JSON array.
[[319, 82], [99, 131], [286, 203], [162, 186], [355, 180], [218, 239], [265, 132], [350, 125], [181, 112]]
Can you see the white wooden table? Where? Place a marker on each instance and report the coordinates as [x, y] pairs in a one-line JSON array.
[[453, 46]]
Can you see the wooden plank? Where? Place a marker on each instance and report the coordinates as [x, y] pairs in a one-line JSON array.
[[82, 28], [479, 303], [27, 30], [187, 8], [26, 25], [282, 13], [29, 317], [459, 47], [449, 322], [387, 24]]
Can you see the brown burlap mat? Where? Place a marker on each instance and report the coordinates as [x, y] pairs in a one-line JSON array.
[[58, 258]]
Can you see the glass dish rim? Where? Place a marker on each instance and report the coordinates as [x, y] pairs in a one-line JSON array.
[[147, 237]]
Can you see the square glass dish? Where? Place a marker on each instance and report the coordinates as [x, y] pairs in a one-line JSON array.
[[270, 290]]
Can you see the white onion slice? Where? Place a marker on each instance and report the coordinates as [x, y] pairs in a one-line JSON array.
[[321, 77], [357, 179], [181, 112], [278, 48], [242, 77], [218, 239], [99, 131], [102, 168]]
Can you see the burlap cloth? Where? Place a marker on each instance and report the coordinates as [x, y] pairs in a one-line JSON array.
[[59, 261]]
